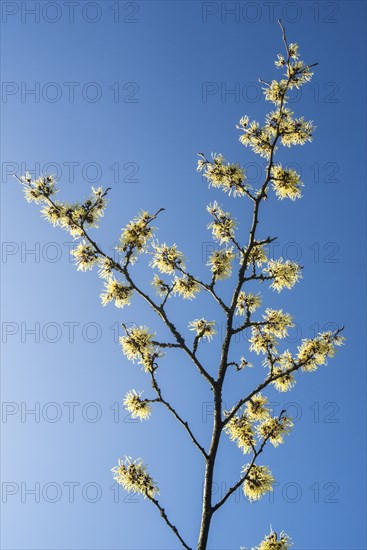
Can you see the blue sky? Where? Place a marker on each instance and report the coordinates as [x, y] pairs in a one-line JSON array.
[[126, 94]]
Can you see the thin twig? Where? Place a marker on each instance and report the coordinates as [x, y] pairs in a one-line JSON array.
[[164, 516], [175, 413]]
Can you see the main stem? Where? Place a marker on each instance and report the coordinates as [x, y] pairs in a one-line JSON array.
[[208, 510]]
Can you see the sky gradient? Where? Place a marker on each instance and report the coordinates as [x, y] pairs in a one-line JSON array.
[[125, 94]]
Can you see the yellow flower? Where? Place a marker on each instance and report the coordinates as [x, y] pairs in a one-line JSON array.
[[94, 207], [39, 189], [257, 255], [85, 256], [167, 258], [277, 322], [272, 542], [72, 217], [286, 182], [298, 74], [220, 262], [256, 408], [223, 225], [285, 274], [293, 50], [133, 477], [160, 286], [114, 290], [316, 351], [186, 287], [259, 139], [285, 382], [262, 342], [137, 233], [105, 268], [239, 429], [137, 407], [203, 328], [53, 213], [274, 429], [229, 177], [297, 132], [248, 302], [280, 62], [244, 363], [279, 121], [258, 481], [137, 345], [275, 92]]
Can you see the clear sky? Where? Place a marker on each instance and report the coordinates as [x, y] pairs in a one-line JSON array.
[[125, 94]]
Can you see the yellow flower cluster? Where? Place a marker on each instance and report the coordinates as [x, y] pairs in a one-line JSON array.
[[85, 256], [203, 328], [239, 429], [280, 61], [258, 482], [38, 189], [106, 267], [259, 139], [186, 287], [247, 302], [223, 225], [276, 91], [228, 177], [293, 50], [279, 121], [160, 286], [136, 234], [299, 74], [297, 131], [285, 274], [133, 477], [220, 263], [272, 542], [74, 217], [292, 131], [315, 352], [119, 292], [256, 408], [137, 345], [257, 255], [286, 381], [286, 182], [274, 429], [277, 322], [137, 407], [167, 258], [262, 342]]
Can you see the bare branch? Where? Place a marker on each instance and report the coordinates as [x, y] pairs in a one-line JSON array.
[[163, 315], [208, 287], [170, 525], [284, 36], [166, 345], [175, 414]]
